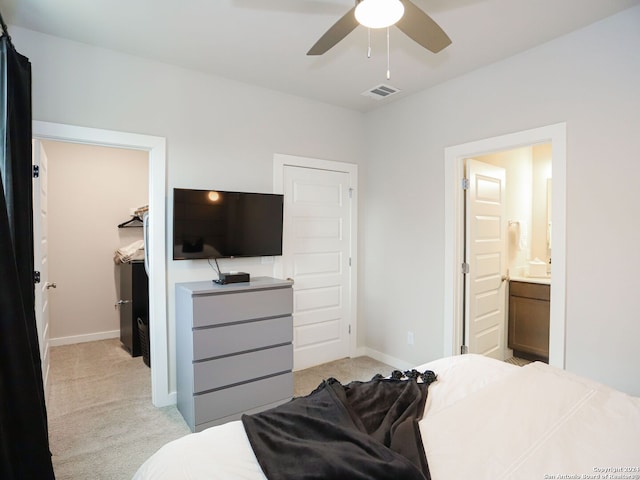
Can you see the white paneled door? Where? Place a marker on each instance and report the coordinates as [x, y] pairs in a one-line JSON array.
[[41, 257], [485, 247], [317, 230]]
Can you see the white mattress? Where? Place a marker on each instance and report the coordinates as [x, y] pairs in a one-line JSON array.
[[483, 419]]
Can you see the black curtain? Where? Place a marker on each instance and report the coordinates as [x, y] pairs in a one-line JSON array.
[[24, 443]]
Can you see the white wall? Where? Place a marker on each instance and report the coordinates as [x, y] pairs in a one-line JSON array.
[[220, 133], [91, 191], [588, 79], [223, 133]]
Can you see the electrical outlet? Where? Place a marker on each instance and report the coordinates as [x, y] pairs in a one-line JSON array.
[[409, 338]]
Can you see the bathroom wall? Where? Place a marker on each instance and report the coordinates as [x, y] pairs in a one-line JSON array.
[[525, 202]]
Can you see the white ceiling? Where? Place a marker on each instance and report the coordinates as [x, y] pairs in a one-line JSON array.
[[264, 42]]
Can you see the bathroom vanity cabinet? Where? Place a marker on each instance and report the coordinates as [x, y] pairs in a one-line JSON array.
[[529, 314]]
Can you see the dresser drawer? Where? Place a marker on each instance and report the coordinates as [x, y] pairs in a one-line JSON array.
[[240, 306], [230, 401], [221, 372], [230, 339]]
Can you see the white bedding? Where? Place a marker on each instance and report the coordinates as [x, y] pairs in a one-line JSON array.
[[483, 419]]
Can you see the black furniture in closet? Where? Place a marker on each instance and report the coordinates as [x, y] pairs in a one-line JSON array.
[[133, 303]]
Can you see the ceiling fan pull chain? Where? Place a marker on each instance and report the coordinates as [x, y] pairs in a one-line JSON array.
[[388, 56], [369, 43]]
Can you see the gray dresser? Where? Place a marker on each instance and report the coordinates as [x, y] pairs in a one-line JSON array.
[[233, 349]]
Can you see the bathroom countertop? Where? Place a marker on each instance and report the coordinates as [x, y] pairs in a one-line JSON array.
[[542, 280]]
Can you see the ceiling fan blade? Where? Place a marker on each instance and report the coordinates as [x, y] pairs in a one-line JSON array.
[[337, 32], [422, 29]]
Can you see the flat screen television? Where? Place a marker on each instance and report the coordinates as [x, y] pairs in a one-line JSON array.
[[219, 224]]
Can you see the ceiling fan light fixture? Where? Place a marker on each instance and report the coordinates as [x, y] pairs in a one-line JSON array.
[[379, 13]]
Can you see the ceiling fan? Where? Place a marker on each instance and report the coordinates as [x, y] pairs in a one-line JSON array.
[[416, 24]]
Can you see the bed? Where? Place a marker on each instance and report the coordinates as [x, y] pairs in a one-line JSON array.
[[483, 419]]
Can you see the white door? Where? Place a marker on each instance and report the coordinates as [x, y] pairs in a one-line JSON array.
[[41, 258], [485, 284], [316, 243]]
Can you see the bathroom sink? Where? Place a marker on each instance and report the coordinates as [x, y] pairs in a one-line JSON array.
[[544, 280]]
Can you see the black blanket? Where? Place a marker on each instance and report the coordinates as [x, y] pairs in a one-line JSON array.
[[364, 430]]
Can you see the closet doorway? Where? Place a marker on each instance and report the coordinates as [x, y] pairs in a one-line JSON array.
[[81, 192], [91, 190], [156, 241]]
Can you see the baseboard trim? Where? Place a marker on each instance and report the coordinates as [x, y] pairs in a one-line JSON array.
[[360, 352], [88, 337], [388, 359]]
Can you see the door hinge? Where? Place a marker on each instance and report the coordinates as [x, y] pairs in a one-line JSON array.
[[465, 184], [349, 329], [464, 349], [36, 277], [349, 261], [36, 171], [350, 192], [465, 268]]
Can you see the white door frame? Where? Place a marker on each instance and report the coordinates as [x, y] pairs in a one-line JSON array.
[[454, 202], [279, 163], [156, 146]]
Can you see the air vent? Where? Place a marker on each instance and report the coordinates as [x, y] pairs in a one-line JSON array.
[[381, 91]]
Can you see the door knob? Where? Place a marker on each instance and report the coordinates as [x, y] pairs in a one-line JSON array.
[[49, 285], [120, 302]]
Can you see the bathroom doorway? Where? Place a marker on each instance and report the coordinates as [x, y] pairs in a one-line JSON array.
[[507, 237], [555, 135]]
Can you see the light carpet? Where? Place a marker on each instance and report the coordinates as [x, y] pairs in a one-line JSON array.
[[102, 424]]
